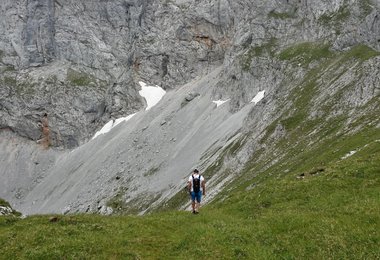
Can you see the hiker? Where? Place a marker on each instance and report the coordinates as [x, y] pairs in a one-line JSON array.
[[197, 188]]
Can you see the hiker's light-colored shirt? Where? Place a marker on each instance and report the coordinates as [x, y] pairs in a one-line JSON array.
[[196, 176]]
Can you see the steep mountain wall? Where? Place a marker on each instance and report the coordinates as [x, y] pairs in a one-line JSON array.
[[80, 62]]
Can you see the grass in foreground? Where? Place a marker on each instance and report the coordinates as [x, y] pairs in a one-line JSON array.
[[333, 214]]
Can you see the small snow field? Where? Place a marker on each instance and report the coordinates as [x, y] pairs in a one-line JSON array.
[[259, 96], [152, 95], [220, 102], [111, 124]]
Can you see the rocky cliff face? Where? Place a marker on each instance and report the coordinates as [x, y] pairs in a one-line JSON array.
[[94, 52], [80, 62]]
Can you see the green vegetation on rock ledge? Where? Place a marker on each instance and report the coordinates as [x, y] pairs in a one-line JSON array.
[[25, 87], [366, 7], [79, 78], [266, 49], [335, 19], [305, 53], [360, 52], [312, 136], [283, 15], [9, 81]]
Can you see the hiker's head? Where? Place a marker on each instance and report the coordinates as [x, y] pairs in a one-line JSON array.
[[196, 171]]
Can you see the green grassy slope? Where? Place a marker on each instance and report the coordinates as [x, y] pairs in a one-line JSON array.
[[332, 214]]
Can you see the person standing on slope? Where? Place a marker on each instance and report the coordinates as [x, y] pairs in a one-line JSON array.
[[197, 188]]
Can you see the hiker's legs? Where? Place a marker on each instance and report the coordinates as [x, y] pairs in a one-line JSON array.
[[192, 201], [197, 206], [198, 198]]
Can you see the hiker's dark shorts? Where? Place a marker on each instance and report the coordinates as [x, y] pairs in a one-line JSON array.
[[196, 195]]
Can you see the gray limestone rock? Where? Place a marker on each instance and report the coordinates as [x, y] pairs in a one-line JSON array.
[[4, 211], [191, 96], [80, 61]]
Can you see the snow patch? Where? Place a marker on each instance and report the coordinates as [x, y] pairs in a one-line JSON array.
[[351, 153], [105, 129], [111, 124], [258, 97], [152, 94], [220, 102], [122, 119]]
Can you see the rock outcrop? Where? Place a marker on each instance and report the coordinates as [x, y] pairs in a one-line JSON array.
[[6, 209]]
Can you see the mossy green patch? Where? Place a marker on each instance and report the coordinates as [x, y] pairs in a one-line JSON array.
[[360, 52], [9, 81], [366, 7], [117, 202], [21, 87], [214, 167], [269, 131], [25, 88], [335, 19], [281, 15], [266, 49], [9, 68], [77, 78], [305, 53]]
